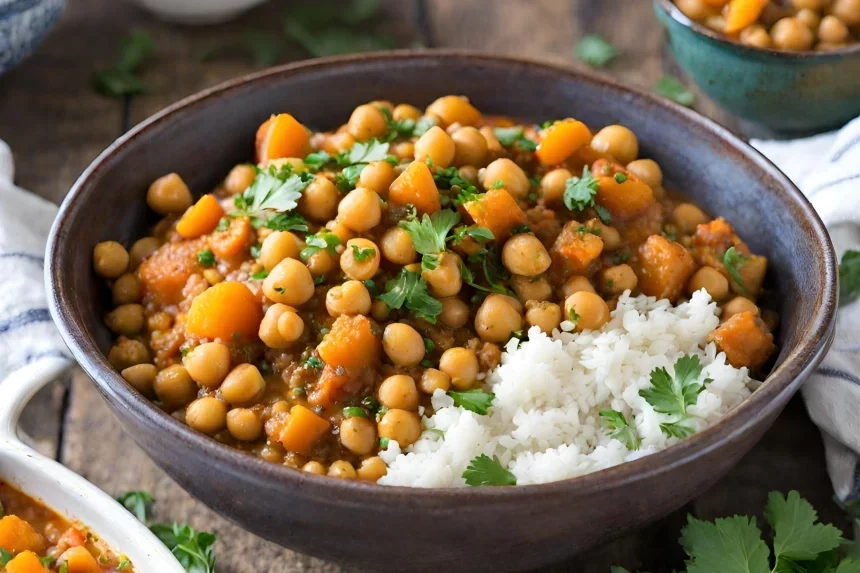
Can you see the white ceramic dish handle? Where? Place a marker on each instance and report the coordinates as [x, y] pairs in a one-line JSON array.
[[63, 490]]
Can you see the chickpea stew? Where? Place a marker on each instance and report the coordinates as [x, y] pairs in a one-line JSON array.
[[790, 25], [35, 539], [306, 310]]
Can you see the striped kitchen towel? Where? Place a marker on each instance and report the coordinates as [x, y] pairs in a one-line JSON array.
[[26, 330], [827, 170]]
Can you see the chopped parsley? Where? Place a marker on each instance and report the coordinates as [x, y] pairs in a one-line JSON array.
[[410, 290], [449, 178], [579, 192], [572, 316], [273, 191], [429, 346], [603, 214], [361, 255], [509, 136], [476, 401], [5, 557], [223, 224], [371, 287], [494, 273], [48, 561], [206, 258], [313, 363], [397, 128], [429, 234], [484, 470], [479, 234], [849, 277], [383, 442], [498, 184], [329, 28], [354, 412], [426, 363], [620, 178], [288, 222], [621, 256], [733, 261], [260, 275], [620, 429], [672, 395], [356, 158], [380, 413], [671, 88], [595, 51], [521, 230], [323, 240], [317, 160], [256, 250], [124, 564], [370, 403], [593, 231]]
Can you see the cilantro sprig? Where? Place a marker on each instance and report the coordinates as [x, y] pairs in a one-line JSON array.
[[620, 429], [579, 192], [410, 290], [484, 470], [476, 400], [273, 191], [672, 395], [849, 277]]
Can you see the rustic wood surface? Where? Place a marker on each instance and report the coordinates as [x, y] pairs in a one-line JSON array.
[[56, 125]]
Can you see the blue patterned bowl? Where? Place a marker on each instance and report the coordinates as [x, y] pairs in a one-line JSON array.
[[23, 26]]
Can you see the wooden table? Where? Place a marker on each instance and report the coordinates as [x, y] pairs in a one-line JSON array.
[[56, 125]]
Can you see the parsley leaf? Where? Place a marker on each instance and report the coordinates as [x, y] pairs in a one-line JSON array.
[[849, 277], [677, 430], [603, 213], [373, 150], [288, 222], [621, 429], [797, 536], [48, 561], [424, 124], [486, 471], [733, 261], [731, 545], [498, 184], [5, 557], [494, 273], [573, 316], [313, 363], [272, 191], [137, 502], [397, 128], [479, 234], [671, 88], [193, 549], [579, 192], [324, 239], [317, 160], [673, 394], [124, 564], [360, 254], [120, 80], [429, 234], [206, 258], [595, 51], [409, 289], [476, 401], [260, 275], [508, 136]]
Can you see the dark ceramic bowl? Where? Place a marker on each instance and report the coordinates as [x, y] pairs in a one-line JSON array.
[[788, 92], [475, 529]]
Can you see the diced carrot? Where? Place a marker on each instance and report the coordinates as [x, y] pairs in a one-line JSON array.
[[454, 109], [415, 186], [225, 310], [302, 429], [79, 560], [235, 240], [72, 537], [201, 219], [27, 562], [745, 339], [165, 273], [561, 140], [624, 197], [350, 343], [328, 387], [666, 267], [574, 251], [497, 211], [16, 535], [281, 136], [742, 13]]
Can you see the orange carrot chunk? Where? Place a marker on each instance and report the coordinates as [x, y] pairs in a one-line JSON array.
[[745, 339], [497, 211], [561, 140], [165, 273], [350, 343], [328, 387], [16, 535], [201, 219], [742, 13], [235, 240], [574, 251], [27, 562], [79, 560], [666, 267], [302, 429], [226, 310], [281, 136], [415, 186]]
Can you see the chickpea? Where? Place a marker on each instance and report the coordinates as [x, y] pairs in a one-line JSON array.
[[432, 380], [445, 280], [291, 326], [207, 415], [515, 180], [437, 146], [397, 246], [110, 259], [367, 122], [379, 310], [811, 18], [239, 178], [832, 30], [545, 315], [469, 173], [340, 141], [400, 426], [360, 210], [696, 10], [127, 352], [405, 111], [290, 282], [525, 255], [454, 109], [377, 176], [358, 435], [470, 147], [174, 387], [403, 344], [208, 364], [711, 280], [609, 235], [847, 10], [296, 165], [809, 4], [319, 199], [125, 319], [756, 36], [371, 469], [126, 289], [496, 320], [341, 469], [552, 186], [591, 311], [791, 34], [314, 468], [321, 263], [576, 284], [279, 407], [617, 141], [366, 267], [243, 386], [278, 246], [350, 298], [404, 150], [738, 305], [141, 377], [687, 217], [269, 332], [461, 365], [455, 312], [399, 391], [531, 288], [169, 194], [647, 171], [615, 280], [342, 232], [142, 249]]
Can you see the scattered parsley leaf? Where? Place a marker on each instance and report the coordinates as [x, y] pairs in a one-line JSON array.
[[48, 562], [117, 83], [120, 79], [579, 192], [673, 394], [484, 470], [527, 144], [409, 289], [64, 567], [137, 502], [319, 280], [223, 224], [671, 88], [731, 545], [849, 277], [521, 230], [354, 412], [595, 51], [733, 261], [573, 316], [206, 258], [509, 136], [273, 191], [603, 214], [361, 255], [797, 536], [288, 222], [424, 124], [256, 250], [478, 233], [429, 234], [498, 184], [313, 363], [193, 549], [494, 272], [620, 428], [371, 403], [429, 346], [260, 275], [317, 160], [371, 287], [677, 430], [124, 564], [324, 239], [383, 442], [620, 178], [373, 150], [476, 401], [5, 557]]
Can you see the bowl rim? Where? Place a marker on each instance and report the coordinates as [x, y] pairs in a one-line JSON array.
[[672, 10], [799, 361]]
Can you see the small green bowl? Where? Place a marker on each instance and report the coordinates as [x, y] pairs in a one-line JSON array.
[[788, 92]]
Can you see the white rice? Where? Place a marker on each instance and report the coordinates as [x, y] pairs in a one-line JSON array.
[[544, 424]]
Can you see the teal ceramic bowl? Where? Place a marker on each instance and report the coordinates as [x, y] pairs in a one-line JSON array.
[[787, 92]]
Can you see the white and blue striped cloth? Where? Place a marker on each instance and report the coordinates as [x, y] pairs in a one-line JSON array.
[[826, 168]]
